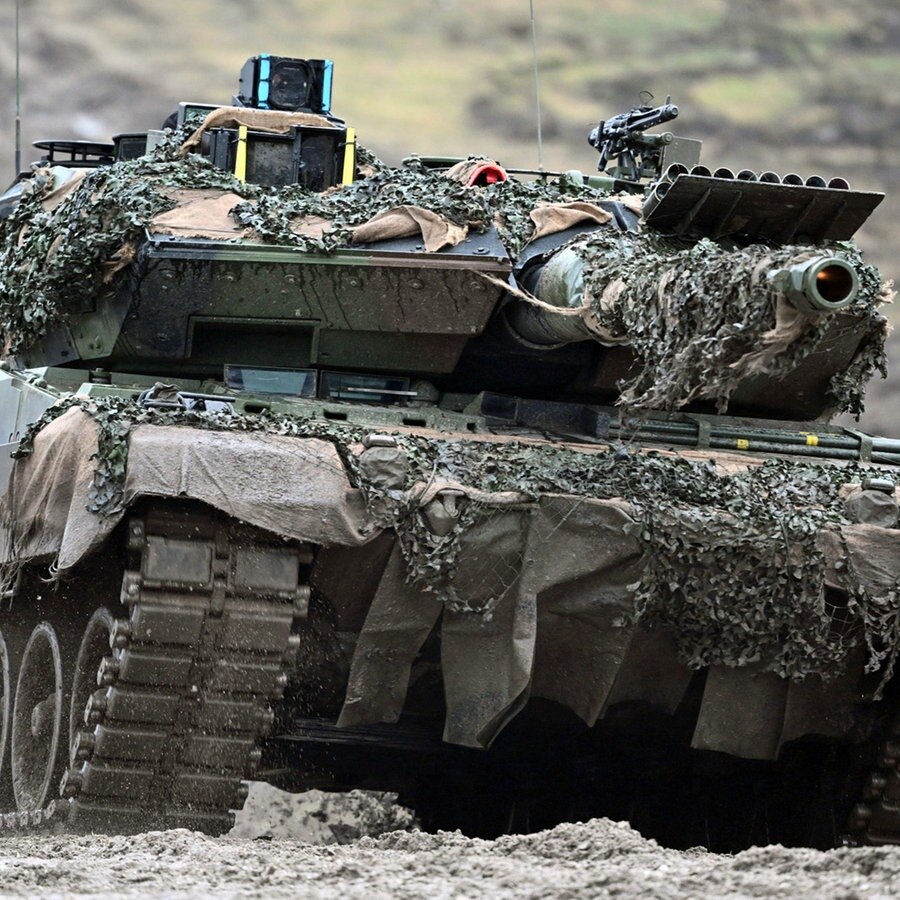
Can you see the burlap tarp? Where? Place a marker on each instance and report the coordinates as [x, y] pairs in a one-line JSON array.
[[202, 214], [66, 182], [272, 120], [560, 578], [207, 214], [297, 488], [552, 218], [407, 221], [752, 713]]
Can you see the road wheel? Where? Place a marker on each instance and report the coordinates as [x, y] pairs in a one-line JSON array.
[[95, 646], [37, 756]]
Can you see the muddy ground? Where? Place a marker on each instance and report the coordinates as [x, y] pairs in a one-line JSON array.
[[285, 848]]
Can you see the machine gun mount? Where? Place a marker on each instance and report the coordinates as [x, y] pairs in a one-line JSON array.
[[639, 155]]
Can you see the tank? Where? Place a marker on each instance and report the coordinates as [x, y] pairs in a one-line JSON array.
[[512, 492]]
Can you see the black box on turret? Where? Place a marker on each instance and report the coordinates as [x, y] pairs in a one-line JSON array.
[[307, 155]]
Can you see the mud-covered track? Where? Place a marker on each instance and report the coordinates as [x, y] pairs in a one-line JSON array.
[[875, 819], [170, 699]]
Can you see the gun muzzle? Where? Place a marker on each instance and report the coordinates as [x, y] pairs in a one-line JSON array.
[[821, 284]]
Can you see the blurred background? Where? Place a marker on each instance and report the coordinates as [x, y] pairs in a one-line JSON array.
[[806, 86]]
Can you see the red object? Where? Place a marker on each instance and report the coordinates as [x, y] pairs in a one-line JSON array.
[[487, 173]]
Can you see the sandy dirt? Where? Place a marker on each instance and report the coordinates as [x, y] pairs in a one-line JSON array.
[[300, 851]]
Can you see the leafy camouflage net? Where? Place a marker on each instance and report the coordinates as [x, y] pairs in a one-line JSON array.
[[656, 292], [275, 211], [506, 203], [116, 418], [55, 263], [512, 202], [734, 562]]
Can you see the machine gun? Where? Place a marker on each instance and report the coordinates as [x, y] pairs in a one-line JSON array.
[[622, 136]]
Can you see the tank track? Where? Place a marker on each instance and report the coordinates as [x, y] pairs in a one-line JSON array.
[[186, 692], [51, 818], [875, 819]]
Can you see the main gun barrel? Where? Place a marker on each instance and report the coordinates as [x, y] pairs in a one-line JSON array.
[[819, 284]]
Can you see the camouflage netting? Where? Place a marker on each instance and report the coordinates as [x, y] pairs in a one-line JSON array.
[[655, 292], [734, 560], [56, 258]]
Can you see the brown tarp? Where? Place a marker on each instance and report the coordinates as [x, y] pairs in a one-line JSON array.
[[554, 579], [558, 581], [66, 181], [207, 214], [552, 218], [209, 217], [202, 214], [408, 221], [297, 488], [751, 713], [271, 120], [398, 621], [584, 563], [873, 554], [45, 507]]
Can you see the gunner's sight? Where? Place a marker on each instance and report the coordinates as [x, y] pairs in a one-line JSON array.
[[280, 82]]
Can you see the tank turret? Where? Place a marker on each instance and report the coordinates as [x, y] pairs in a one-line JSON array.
[[241, 278]]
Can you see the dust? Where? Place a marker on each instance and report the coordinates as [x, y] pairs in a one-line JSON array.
[[293, 846]]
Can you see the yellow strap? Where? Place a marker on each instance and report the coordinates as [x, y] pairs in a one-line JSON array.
[[240, 160], [349, 157], [812, 440], [742, 444]]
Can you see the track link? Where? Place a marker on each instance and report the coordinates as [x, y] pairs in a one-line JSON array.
[[185, 693], [875, 820], [52, 818]]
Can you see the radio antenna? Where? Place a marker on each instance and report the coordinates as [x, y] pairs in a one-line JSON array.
[[18, 156], [537, 88]]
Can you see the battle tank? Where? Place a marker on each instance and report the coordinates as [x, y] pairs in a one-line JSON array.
[[510, 491]]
